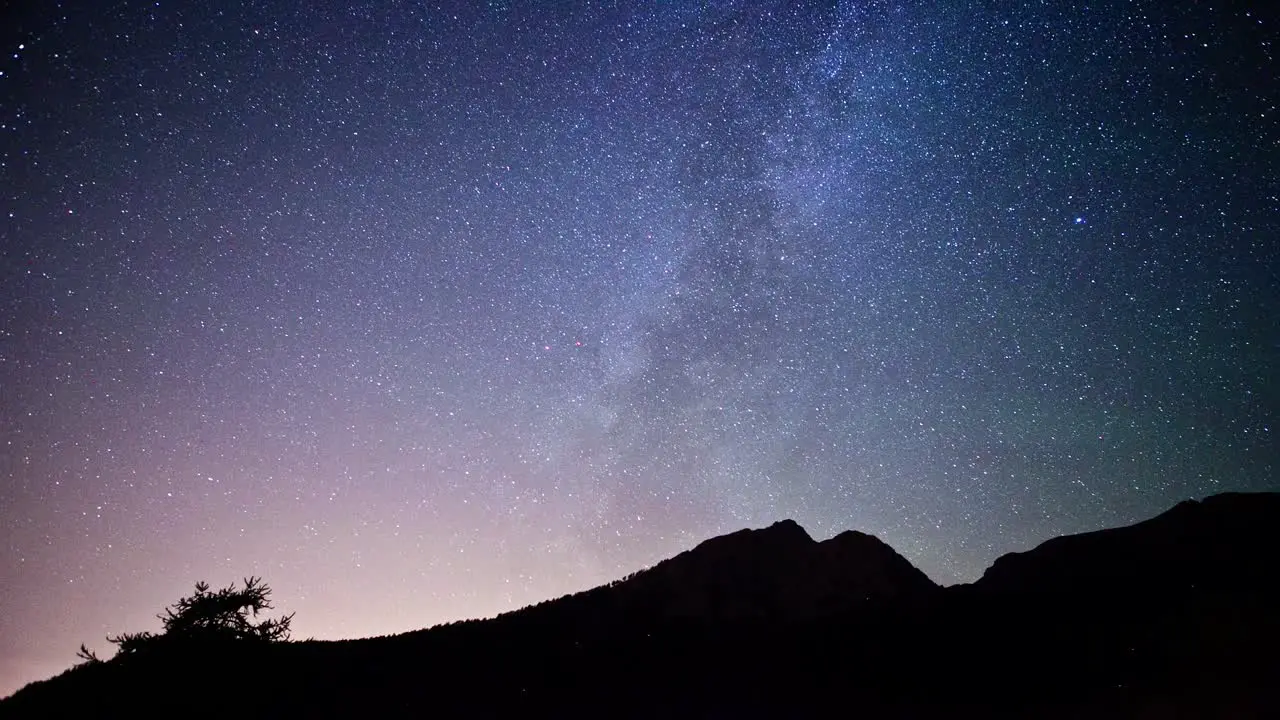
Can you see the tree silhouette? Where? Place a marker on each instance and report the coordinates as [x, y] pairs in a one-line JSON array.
[[87, 655], [209, 617]]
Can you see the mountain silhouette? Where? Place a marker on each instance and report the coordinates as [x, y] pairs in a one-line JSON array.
[[1171, 617], [1211, 544], [777, 574], [1180, 610]]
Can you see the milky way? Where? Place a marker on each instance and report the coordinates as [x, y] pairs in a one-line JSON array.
[[424, 314]]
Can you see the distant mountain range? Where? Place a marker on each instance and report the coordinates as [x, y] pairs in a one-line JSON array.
[[1177, 616]]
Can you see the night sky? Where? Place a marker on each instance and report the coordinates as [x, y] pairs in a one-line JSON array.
[[429, 313]]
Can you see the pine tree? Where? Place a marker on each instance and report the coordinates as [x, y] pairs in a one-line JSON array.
[[208, 618]]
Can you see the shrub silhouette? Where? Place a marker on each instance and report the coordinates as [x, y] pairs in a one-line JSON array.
[[208, 618]]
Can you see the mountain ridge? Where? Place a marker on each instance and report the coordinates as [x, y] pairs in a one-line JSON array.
[[1191, 528]]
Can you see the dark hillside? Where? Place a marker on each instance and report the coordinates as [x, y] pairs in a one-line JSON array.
[[1172, 617]]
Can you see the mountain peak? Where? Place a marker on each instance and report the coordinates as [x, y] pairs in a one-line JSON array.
[[787, 525], [787, 530], [778, 572], [783, 536]]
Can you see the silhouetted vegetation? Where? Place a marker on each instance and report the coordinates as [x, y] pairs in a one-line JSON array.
[[207, 618], [87, 655]]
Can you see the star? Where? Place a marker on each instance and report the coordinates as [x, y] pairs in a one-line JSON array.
[[808, 250]]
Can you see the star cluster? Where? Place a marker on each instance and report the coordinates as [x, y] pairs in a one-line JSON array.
[[425, 313]]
